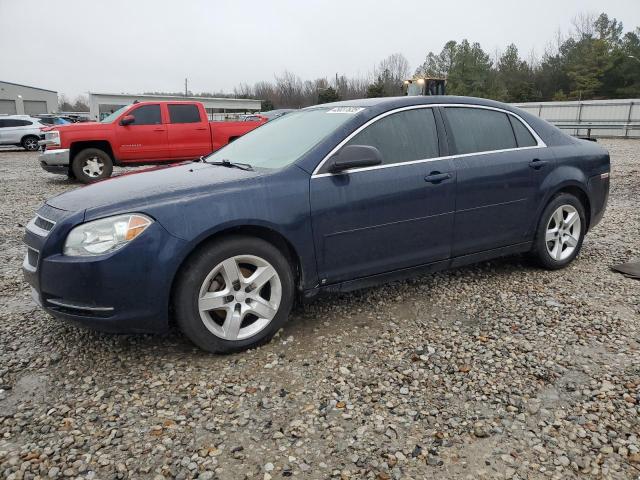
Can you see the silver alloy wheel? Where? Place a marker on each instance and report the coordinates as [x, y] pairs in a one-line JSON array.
[[563, 232], [240, 297], [93, 167], [31, 144]]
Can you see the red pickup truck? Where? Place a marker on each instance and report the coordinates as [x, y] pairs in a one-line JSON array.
[[142, 133]]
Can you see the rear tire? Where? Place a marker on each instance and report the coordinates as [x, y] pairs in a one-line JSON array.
[[30, 143], [234, 294], [91, 165], [560, 232]]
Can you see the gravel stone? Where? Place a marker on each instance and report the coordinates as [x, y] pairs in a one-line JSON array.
[[494, 370]]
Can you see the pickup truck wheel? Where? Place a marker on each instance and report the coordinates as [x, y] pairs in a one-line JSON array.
[[234, 295], [91, 165], [30, 143]]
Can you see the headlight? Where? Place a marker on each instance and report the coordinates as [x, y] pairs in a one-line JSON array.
[[53, 136], [105, 235]]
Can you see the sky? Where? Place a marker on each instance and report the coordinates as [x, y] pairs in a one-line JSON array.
[[134, 46]]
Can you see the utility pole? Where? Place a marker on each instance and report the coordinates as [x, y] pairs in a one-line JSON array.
[[185, 87]]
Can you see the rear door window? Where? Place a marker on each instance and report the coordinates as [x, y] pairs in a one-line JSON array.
[[147, 115], [479, 130], [184, 113], [402, 137], [523, 135], [11, 122]]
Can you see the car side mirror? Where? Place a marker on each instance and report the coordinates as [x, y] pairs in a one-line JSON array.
[[354, 156], [127, 120]]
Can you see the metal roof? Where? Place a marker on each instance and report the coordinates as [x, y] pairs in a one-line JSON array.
[[177, 97], [29, 86]]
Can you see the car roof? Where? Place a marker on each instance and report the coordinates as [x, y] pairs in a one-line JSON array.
[[395, 102], [19, 117]]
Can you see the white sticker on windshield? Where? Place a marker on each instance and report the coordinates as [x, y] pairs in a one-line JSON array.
[[350, 110]]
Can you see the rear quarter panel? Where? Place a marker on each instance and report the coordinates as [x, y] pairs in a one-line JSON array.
[[578, 165]]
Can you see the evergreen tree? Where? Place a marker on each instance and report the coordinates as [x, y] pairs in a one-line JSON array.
[[328, 95]]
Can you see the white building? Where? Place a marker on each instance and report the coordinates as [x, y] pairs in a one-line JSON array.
[[101, 104], [25, 100]]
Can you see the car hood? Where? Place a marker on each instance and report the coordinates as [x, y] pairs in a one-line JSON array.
[[160, 184], [80, 126]]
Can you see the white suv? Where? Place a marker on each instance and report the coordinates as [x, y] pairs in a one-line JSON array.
[[21, 130]]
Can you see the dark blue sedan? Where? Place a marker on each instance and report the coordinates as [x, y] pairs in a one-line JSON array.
[[326, 199]]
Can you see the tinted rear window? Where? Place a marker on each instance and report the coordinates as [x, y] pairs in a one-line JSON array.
[[523, 135], [480, 130], [184, 114], [402, 137], [12, 122]]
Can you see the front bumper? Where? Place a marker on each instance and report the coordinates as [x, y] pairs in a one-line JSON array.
[[126, 291], [55, 161]]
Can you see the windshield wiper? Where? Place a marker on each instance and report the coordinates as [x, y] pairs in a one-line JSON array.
[[229, 164]]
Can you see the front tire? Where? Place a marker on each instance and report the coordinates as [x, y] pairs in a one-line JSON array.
[[91, 165], [30, 143], [234, 294], [560, 232]]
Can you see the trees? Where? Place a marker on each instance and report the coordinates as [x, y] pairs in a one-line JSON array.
[[64, 105], [376, 89], [80, 104], [439, 65], [596, 60], [515, 77], [391, 72], [328, 95], [470, 71]]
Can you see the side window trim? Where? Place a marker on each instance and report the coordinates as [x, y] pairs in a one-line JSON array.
[[438, 106]]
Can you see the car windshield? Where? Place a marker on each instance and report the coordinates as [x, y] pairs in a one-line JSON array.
[[282, 141], [111, 117]]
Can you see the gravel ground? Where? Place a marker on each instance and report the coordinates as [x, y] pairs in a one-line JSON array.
[[498, 370]]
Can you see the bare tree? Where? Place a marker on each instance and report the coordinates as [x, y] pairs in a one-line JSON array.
[[243, 91], [584, 25], [289, 90]]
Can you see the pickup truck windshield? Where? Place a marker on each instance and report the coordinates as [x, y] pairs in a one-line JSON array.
[[111, 117], [284, 140]]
